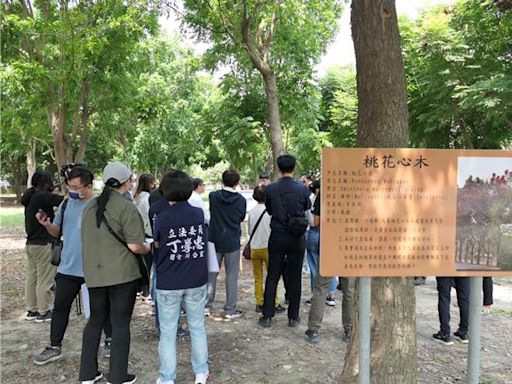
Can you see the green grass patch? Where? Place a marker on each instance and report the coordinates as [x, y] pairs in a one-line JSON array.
[[501, 312], [12, 218]]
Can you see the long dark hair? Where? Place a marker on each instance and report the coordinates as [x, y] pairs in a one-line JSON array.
[[102, 199], [143, 184]]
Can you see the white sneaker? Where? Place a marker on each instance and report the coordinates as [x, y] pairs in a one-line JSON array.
[[234, 315], [207, 312], [98, 377], [201, 378]]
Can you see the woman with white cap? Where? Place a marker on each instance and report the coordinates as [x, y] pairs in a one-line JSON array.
[[112, 232]]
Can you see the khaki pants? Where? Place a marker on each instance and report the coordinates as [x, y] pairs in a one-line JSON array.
[[40, 278], [316, 312]]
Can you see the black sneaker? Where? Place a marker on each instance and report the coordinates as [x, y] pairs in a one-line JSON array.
[[31, 315], [130, 379], [259, 308], [265, 322], [293, 323], [182, 334], [280, 309], [347, 336], [445, 339], [106, 348], [48, 355], [44, 317], [309, 301], [98, 377], [462, 337], [312, 336]]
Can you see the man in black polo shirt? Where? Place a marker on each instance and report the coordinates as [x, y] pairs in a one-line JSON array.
[[284, 200]]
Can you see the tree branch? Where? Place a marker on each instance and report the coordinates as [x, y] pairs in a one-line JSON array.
[[257, 61]]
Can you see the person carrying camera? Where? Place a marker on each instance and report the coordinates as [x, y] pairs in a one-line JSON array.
[[40, 273], [70, 274]]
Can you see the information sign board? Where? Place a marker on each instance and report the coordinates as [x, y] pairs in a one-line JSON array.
[[416, 212]]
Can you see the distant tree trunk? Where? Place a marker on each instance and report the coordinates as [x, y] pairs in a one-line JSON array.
[[274, 118], [383, 122], [31, 161], [18, 178], [259, 54], [80, 154], [57, 122]]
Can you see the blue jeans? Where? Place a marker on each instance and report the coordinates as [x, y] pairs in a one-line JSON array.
[[152, 286], [169, 304], [313, 248]]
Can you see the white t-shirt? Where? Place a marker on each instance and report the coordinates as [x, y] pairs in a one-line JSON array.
[[260, 239], [196, 201], [142, 204]]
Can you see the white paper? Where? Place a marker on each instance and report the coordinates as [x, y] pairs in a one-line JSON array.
[[149, 240], [213, 263], [85, 301]]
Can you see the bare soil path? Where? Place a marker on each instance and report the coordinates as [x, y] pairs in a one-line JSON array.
[[240, 351]]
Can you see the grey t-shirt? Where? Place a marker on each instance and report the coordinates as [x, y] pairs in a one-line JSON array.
[[107, 261]]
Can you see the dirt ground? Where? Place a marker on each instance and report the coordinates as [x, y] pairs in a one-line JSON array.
[[240, 351]]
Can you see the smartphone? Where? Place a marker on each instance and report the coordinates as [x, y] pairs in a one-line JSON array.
[[42, 213]]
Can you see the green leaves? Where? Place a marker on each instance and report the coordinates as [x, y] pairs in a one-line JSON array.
[[459, 75]]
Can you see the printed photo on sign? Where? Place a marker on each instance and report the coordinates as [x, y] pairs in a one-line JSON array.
[[484, 214]]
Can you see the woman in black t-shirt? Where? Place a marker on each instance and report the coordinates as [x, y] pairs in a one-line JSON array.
[[40, 273]]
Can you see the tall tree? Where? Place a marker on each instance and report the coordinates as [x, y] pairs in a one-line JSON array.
[[77, 47], [278, 38], [459, 65], [383, 122]]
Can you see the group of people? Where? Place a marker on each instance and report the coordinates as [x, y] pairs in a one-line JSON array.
[[106, 238]]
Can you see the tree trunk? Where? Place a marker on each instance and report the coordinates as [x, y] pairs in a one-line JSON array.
[[383, 122], [80, 154], [274, 118], [57, 122], [31, 161], [18, 179]]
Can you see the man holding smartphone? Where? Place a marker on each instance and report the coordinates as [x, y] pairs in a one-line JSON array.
[[70, 275]]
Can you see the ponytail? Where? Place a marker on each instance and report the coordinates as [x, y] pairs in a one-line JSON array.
[[102, 200]]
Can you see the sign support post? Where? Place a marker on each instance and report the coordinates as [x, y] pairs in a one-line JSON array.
[[475, 304], [365, 298]]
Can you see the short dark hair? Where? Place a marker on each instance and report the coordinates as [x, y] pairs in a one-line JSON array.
[[196, 182], [42, 181], [259, 194], [85, 175], [177, 186], [230, 178], [264, 176], [286, 163], [307, 176]]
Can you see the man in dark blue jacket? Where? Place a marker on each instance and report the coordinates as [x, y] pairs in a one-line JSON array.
[[227, 208], [285, 200]]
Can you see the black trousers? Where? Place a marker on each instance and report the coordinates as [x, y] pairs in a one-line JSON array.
[[279, 246], [487, 286], [462, 287], [66, 289], [116, 302]]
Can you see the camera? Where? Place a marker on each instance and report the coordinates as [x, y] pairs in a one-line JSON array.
[[66, 168]]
